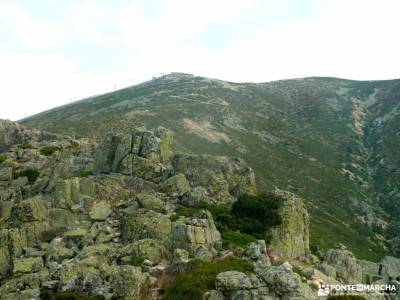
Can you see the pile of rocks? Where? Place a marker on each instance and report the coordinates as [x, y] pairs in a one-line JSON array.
[[97, 218]]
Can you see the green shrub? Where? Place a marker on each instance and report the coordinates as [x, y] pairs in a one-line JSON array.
[[48, 151], [50, 295], [2, 158], [174, 217], [249, 219], [256, 213], [32, 175], [201, 277], [25, 146], [236, 238]]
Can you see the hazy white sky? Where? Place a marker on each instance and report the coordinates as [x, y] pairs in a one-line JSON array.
[[56, 51]]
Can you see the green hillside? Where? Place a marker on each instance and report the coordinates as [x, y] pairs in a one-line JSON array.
[[334, 142]]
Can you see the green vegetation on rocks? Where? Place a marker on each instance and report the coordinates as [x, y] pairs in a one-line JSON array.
[[248, 219], [255, 214], [25, 146], [31, 174], [236, 238], [48, 151], [2, 158], [200, 277]]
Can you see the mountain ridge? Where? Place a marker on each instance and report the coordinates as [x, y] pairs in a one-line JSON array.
[[228, 81], [328, 139]]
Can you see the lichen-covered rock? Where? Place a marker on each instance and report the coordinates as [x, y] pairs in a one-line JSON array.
[[149, 249], [140, 224], [164, 147], [286, 284], [27, 265], [33, 209], [100, 211], [152, 202], [346, 266], [73, 193], [88, 281], [180, 256], [30, 233], [76, 233], [197, 234], [114, 154], [131, 154], [370, 271], [112, 187], [60, 218], [5, 211], [390, 266], [5, 257], [57, 251], [257, 252], [176, 185], [128, 282], [5, 174], [291, 238], [18, 241], [238, 285], [232, 280], [214, 295], [223, 178], [12, 133]]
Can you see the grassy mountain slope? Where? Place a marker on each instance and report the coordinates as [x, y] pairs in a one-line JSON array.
[[332, 141]]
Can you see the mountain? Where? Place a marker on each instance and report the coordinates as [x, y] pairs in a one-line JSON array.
[[332, 141]]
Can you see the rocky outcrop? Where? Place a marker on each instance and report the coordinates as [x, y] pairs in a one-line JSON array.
[[198, 235], [142, 153], [176, 185], [221, 179], [101, 219], [286, 284], [342, 265], [142, 224], [291, 238], [390, 266], [94, 218], [238, 285], [12, 133], [369, 270]]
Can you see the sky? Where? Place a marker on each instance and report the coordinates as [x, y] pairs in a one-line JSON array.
[[53, 52]]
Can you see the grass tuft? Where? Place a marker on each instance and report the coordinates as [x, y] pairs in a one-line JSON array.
[[48, 151]]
